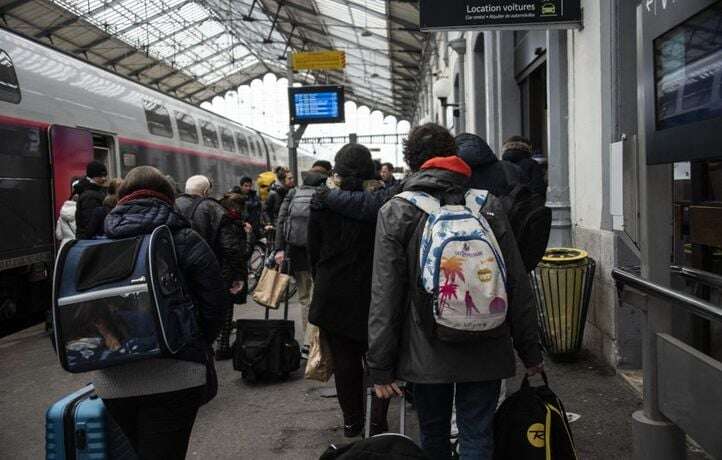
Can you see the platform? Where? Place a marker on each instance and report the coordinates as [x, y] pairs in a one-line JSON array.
[[282, 421]]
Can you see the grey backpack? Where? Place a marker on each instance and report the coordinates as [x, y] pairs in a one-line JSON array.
[[299, 211]]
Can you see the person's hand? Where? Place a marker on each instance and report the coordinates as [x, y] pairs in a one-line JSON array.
[[279, 257], [534, 370], [387, 391], [268, 228], [236, 287], [248, 228]]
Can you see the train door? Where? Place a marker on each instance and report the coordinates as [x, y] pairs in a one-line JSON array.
[[71, 149]]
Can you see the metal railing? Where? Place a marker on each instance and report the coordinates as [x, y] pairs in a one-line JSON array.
[[682, 386]]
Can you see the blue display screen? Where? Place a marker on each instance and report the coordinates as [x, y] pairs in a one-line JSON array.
[[316, 105]]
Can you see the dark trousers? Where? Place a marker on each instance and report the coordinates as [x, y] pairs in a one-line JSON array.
[[159, 425], [348, 369], [224, 340], [475, 407]]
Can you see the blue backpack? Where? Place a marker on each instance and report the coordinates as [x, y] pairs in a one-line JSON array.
[[118, 301], [461, 267]]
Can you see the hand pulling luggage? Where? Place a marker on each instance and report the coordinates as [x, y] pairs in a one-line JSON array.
[[77, 427], [266, 350], [389, 446], [118, 301], [532, 424]]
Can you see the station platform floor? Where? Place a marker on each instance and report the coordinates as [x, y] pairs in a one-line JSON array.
[[289, 420]]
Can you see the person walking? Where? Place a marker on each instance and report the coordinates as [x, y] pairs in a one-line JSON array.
[[92, 193], [518, 150], [292, 239], [155, 401], [234, 239], [96, 226], [65, 225], [404, 340], [340, 252]]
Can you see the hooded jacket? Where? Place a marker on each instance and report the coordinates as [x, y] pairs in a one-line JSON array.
[[487, 172], [65, 226], [206, 219], [202, 277], [91, 197], [532, 172], [398, 346], [298, 254]]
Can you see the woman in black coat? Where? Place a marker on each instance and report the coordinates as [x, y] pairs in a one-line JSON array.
[[341, 257]]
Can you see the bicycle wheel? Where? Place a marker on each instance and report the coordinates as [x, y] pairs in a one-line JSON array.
[[255, 264]]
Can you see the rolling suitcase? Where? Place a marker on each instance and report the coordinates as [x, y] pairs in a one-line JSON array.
[[77, 427], [389, 446], [266, 349]]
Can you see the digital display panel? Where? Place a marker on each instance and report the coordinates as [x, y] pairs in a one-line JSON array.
[[317, 104], [688, 70]]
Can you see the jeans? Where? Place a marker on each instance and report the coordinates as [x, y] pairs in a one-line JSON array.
[[475, 407], [158, 426], [304, 283]]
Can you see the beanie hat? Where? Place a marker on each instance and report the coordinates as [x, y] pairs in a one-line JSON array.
[[96, 169], [354, 160], [517, 144]]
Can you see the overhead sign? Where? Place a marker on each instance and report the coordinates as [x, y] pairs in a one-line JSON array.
[[319, 60], [500, 14]]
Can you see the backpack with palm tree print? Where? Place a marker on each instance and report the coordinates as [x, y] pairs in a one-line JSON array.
[[461, 267]]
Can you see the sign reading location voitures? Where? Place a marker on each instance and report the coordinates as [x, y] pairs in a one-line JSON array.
[[500, 14]]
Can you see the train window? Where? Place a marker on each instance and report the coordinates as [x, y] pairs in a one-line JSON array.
[[9, 86], [261, 148], [227, 140], [186, 127], [242, 144], [210, 134], [158, 119]]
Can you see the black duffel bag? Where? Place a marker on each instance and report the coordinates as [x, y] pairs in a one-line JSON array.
[[265, 350]]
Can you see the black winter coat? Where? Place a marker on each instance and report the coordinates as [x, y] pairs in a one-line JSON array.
[[487, 172], [206, 219], [273, 203], [91, 198], [254, 211], [532, 172], [399, 347], [358, 204], [234, 255], [341, 255], [198, 264]]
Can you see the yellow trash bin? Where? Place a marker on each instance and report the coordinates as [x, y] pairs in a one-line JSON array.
[[563, 285]]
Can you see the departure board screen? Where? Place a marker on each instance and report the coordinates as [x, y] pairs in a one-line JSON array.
[[316, 104], [688, 70]]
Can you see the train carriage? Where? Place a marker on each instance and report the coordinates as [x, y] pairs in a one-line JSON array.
[[57, 113]]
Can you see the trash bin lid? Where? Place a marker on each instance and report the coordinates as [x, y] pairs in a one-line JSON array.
[[564, 255]]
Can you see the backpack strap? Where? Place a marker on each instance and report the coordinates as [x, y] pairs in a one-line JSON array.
[[476, 199], [421, 200]]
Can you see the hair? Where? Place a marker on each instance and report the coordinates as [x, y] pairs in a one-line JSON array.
[[146, 178], [280, 172], [354, 165], [198, 185], [234, 201], [111, 199], [322, 164], [246, 180], [426, 142], [389, 166]]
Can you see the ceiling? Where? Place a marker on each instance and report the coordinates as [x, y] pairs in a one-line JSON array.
[[198, 49]]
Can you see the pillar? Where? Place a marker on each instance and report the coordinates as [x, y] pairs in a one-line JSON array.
[[459, 45]]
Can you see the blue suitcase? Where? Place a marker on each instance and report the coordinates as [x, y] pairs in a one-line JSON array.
[[78, 428]]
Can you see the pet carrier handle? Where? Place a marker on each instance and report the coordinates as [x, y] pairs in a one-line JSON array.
[[525, 382]]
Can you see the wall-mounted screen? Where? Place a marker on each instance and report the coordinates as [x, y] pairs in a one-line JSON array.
[[688, 70], [316, 104]]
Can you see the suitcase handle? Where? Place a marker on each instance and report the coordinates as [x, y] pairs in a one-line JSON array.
[[525, 381], [402, 414]]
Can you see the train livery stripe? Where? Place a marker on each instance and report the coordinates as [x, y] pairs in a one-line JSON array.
[[187, 151]]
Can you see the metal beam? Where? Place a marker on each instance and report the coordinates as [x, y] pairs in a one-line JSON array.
[[188, 66], [184, 50], [11, 6]]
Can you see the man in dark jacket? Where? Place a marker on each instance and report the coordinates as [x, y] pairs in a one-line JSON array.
[[487, 171], [92, 193], [399, 346], [387, 174], [517, 150], [284, 183], [312, 181], [254, 207], [204, 213]]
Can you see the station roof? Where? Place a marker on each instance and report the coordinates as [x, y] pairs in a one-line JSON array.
[[198, 49]]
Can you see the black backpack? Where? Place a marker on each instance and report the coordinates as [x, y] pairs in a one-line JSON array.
[[265, 350], [295, 229], [532, 424], [530, 219], [387, 446]]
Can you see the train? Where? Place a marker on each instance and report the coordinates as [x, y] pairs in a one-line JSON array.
[[57, 113]]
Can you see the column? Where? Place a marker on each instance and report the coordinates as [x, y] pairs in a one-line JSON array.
[[459, 45]]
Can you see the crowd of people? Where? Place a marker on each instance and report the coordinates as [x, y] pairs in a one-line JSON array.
[[354, 261]]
